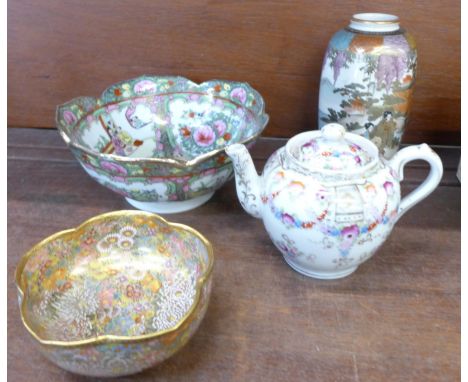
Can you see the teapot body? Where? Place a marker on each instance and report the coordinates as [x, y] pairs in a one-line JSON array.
[[328, 200], [325, 226]]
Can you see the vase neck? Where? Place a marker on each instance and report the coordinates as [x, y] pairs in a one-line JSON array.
[[374, 22]]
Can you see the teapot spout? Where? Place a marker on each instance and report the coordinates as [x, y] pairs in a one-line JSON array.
[[247, 179]]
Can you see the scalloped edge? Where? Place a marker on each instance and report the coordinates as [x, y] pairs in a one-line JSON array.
[[65, 131], [110, 338]]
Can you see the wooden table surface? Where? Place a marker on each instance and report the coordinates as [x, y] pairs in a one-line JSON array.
[[397, 318]]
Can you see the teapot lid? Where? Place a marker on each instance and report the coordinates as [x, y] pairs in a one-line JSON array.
[[332, 150]]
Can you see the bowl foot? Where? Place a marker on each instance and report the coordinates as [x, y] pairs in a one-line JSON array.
[[321, 275], [171, 207]]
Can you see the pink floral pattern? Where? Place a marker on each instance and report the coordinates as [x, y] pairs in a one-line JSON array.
[[204, 136], [220, 127], [144, 86], [69, 117], [113, 167], [239, 94]]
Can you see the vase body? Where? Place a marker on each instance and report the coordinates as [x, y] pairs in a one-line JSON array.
[[367, 80]]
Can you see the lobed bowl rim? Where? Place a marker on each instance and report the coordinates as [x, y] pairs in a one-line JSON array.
[[110, 338], [179, 163]]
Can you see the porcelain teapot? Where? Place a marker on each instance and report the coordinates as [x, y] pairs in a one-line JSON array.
[[328, 200]]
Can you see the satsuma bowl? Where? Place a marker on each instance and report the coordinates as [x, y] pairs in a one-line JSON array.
[[119, 294], [159, 141]]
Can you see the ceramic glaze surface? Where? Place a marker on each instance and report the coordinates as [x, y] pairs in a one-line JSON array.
[[161, 139], [328, 219], [327, 226], [367, 80], [117, 295]]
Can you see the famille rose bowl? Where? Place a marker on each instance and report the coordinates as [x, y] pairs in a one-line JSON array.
[[119, 294], [159, 141]]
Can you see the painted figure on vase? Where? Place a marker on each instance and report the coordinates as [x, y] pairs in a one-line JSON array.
[[385, 131]]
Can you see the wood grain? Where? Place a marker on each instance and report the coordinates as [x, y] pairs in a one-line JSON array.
[[58, 50], [397, 318]]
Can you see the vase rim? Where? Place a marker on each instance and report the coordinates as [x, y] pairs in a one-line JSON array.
[[374, 22]]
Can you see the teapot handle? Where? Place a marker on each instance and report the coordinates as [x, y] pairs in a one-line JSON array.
[[408, 154]]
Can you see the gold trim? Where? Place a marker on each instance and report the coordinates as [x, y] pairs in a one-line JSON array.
[[179, 163], [108, 338]]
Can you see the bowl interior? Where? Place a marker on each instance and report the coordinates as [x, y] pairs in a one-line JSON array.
[[121, 275], [181, 121]]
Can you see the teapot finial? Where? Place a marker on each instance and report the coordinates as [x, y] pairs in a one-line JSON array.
[[333, 132]]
